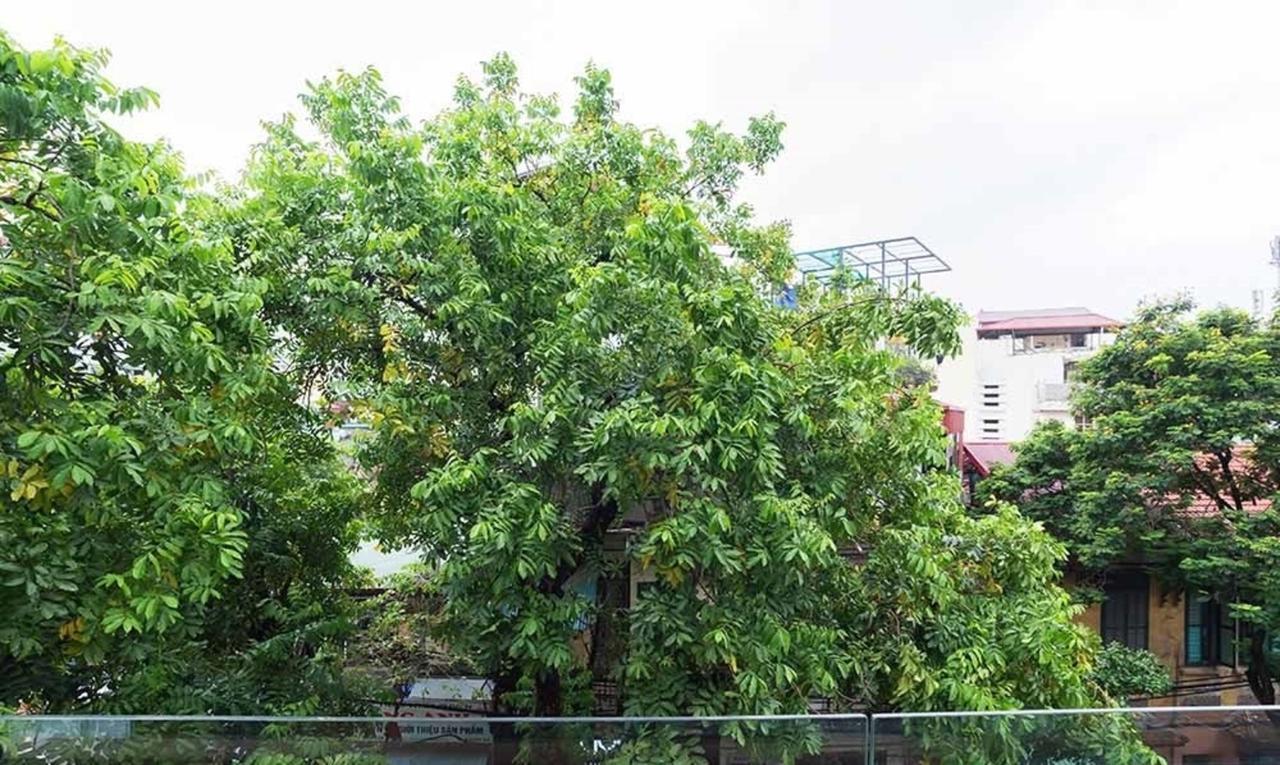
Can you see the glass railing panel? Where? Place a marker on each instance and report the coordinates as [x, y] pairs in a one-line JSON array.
[[433, 740], [1155, 735]]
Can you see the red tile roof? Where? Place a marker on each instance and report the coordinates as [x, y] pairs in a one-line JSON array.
[[996, 322], [984, 455], [1204, 507], [1242, 465]]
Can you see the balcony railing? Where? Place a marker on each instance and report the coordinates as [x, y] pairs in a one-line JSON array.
[[1053, 393], [1241, 734]]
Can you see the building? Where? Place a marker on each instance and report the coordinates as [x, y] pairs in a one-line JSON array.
[[1015, 369], [1191, 633]]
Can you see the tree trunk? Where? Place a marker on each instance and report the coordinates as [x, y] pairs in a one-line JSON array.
[[548, 701], [1257, 673], [503, 683], [548, 695], [711, 744]]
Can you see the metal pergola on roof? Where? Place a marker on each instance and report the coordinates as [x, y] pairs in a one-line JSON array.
[[891, 262]]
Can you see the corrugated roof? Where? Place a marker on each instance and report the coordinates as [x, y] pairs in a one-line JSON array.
[[985, 455], [1043, 318], [1031, 313]]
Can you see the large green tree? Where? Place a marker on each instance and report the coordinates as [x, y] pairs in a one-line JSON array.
[[151, 460], [557, 329], [1177, 466]]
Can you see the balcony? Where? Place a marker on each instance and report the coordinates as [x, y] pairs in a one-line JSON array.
[[1053, 396], [1072, 344]]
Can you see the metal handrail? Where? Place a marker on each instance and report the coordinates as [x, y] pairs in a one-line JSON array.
[[835, 716]]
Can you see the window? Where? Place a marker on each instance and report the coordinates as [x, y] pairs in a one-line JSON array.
[[1124, 612], [1210, 638], [1035, 343]]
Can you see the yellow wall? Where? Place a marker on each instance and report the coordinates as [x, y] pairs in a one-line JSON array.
[[1166, 618]]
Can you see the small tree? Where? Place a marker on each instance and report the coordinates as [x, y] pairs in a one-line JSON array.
[[1178, 465], [127, 344], [150, 459]]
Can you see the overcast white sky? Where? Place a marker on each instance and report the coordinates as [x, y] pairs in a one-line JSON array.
[[1072, 153]]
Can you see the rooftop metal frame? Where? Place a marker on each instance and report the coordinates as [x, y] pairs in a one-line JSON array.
[[891, 262]]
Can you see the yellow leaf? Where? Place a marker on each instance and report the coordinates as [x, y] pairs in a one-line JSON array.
[[72, 630], [388, 335]]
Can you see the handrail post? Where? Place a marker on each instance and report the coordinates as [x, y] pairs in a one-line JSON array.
[[870, 739]]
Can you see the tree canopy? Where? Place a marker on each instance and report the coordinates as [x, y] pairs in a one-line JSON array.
[[150, 457], [556, 323], [1177, 466], [558, 327]]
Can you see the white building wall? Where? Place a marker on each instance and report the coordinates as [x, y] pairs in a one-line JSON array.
[[1004, 394], [957, 378]]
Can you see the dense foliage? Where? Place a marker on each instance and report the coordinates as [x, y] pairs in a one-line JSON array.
[[567, 383], [1122, 672], [558, 332], [1177, 467], [166, 506]]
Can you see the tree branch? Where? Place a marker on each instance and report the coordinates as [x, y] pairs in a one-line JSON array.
[[27, 162], [1205, 482], [1224, 458], [603, 513], [29, 203], [399, 296], [843, 307], [1257, 672]]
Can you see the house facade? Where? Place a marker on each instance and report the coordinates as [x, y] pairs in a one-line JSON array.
[[1191, 633], [1016, 369]]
